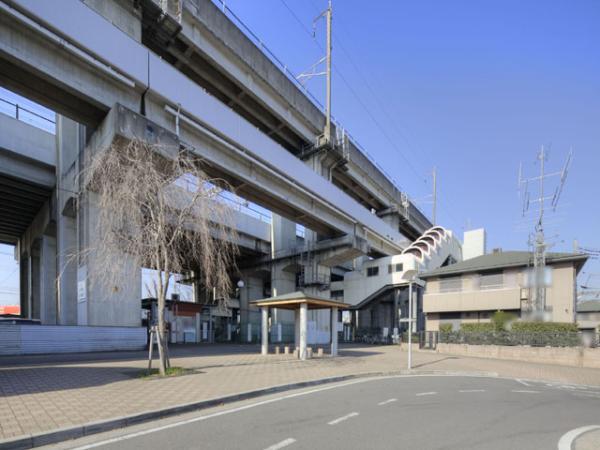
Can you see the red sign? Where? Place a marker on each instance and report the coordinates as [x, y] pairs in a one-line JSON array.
[[10, 309]]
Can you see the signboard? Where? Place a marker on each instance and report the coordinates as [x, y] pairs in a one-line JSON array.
[[81, 292], [81, 284]]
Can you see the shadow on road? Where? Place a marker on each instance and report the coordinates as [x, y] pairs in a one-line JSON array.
[[435, 361]]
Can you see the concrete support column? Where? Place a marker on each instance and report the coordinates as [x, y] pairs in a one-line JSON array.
[[303, 329], [47, 286], [334, 333], [395, 315], [249, 314], [70, 139], [296, 328], [283, 277], [264, 342]]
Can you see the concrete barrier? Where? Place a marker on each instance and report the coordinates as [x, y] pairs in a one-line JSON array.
[[563, 356]]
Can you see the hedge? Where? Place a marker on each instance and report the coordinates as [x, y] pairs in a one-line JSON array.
[[536, 339], [445, 328], [477, 327], [544, 327]]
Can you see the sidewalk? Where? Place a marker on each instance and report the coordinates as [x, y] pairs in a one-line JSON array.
[[43, 393]]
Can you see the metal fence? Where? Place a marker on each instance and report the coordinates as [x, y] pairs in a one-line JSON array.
[[26, 115]]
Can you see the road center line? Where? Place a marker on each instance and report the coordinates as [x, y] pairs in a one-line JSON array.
[[284, 443], [420, 394], [523, 391], [341, 419], [387, 401], [471, 390]]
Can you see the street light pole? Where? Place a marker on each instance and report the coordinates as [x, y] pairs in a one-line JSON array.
[[410, 276]]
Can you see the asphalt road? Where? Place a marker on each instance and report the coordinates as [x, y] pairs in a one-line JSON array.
[[423, 412]]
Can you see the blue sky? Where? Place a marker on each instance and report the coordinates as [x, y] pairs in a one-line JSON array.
[[473, 88]]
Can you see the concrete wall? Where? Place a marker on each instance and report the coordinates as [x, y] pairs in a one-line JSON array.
[[561, 295], [474, 243], [564, 356], [496, 299], [358, 286], [588, 320]]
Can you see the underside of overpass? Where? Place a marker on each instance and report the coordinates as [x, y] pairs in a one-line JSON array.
[[242, 133], [20, 202]]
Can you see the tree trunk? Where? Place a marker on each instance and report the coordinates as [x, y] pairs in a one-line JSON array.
[[162, 337]]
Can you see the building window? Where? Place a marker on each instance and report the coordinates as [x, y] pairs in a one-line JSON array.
[[372, 271], [395, 268], [491, 281], [337, 294], [453, 284]]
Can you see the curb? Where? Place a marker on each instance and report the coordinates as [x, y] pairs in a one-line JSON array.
[[65, 434]]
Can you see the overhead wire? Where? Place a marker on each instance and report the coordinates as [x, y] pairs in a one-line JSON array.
[[363, 104]]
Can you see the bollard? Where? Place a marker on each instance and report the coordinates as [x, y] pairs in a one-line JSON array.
[[286, 350], [297, 353], [320, 352], [309, 352]]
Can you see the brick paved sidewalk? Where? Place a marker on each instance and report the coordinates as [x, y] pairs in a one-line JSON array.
[[39, 394]]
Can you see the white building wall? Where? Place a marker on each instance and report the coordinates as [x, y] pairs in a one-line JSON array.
[[474, 243]]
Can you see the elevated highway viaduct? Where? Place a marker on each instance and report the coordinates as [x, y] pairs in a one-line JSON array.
[[197, 83]]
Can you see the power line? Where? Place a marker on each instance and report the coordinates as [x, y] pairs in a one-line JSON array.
[[363, 104], [359, 100]]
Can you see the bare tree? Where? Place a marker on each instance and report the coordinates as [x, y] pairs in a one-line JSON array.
[[157, 208]]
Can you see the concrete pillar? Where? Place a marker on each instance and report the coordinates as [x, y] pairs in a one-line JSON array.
[[283, 277], [47, 284], [334, 333], [252, 290], [396, 323], [296, 328], [303, 329], [98, 303], [264, 341], [70, 138], [198, 328]]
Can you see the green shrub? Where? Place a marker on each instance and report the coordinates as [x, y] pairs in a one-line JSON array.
[[544, 327], [477, 327], [446, 328], [501, 319]]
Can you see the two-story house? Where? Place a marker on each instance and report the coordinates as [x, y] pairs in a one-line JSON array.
[[472, 290]]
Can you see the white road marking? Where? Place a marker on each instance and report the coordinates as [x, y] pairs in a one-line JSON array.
[[341, 419], [524, 383], [125, 437], [387, 401], [284, 443], [523, 391], [210, 416], [420, 394], [566, 440], [586, 394], [472, 390]]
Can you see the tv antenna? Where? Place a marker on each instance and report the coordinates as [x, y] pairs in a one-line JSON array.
[[537, 239]]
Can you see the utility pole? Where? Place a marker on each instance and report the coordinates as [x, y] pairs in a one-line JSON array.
[[539, 255], [434, 214], [328, 103], [312, 71], [538, 304]]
